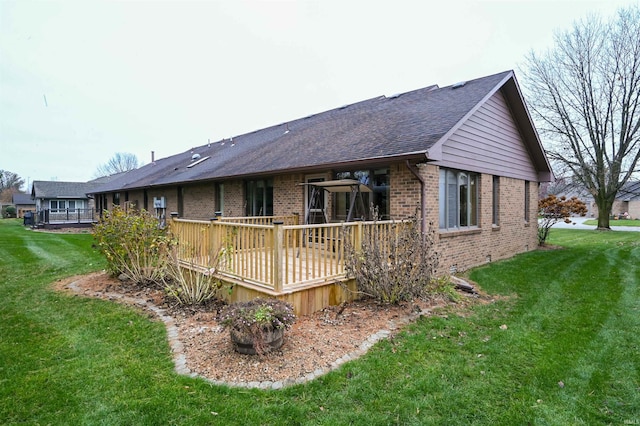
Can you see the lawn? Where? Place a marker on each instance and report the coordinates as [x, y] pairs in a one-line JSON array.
[[560, 347], [612, 222]]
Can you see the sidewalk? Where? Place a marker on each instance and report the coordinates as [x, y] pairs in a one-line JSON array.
[[578, 223]]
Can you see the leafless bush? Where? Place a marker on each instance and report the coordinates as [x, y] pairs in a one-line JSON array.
[[394, 267], [188, 282]]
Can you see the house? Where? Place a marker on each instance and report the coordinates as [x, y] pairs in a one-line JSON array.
[[466, 158], [23, 203], [627, 199], [62, 203]]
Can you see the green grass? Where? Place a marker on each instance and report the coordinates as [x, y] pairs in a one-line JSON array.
[[622, 222], [571, 315]]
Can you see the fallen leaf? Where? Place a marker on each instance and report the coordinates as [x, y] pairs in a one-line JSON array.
[[561, 383], [503, 327]]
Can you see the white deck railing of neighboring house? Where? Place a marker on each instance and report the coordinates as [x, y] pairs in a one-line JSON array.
[[276, 257], [63, 216]]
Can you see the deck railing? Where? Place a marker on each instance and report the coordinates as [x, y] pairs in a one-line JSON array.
[[53, 216], [275, 256], [260, 220]]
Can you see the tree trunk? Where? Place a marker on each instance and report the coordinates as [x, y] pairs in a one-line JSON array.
[[604, 210]]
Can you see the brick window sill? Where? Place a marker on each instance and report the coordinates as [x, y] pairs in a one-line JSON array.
[[459, 232]]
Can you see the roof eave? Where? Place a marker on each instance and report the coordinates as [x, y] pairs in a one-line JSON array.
[[416, 156]]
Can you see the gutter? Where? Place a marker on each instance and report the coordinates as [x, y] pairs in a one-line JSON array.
[[423, 206]]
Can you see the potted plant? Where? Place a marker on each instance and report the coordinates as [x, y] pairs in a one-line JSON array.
[[257, 326]]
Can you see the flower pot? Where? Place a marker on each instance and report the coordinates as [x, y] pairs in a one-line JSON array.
[[244, 344]]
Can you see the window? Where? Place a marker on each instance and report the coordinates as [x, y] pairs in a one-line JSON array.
[[259, 197], [116, 199], [496, 201], [219, 200], [63, 205], [458, 195], [57, 204], [378, 181], [527, 200], [180, 193]]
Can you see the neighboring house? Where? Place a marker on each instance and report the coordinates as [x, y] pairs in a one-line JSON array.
[[627, 199], [23, 203], [466, 158], [63, 203]]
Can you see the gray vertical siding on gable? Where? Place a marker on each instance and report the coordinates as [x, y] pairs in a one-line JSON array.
[[489, 142]]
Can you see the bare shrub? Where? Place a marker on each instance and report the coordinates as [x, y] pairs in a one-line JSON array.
[[394, 267], [191, 284]]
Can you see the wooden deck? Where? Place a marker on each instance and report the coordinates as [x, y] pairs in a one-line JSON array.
[[66, 216], [303, 264]]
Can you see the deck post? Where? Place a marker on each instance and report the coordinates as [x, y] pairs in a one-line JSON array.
[[278, 273], [358, 237]]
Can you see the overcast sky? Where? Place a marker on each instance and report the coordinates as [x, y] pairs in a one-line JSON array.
[[80, 81]]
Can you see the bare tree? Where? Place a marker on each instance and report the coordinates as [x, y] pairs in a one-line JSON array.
[[120, 162], [10, 183], [585, 97]]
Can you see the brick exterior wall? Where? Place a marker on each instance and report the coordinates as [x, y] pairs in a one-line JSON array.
[[631, 207], [634, 209], [288, 195], [136, 198], [171, 198], [404, 194], [460, 250], [198, 201], [234, 198]]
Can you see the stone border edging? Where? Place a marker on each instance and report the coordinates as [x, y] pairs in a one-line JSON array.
[[180, 359]]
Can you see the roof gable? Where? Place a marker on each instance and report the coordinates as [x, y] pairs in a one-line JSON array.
[[531, 159], [23, 199], [54, 189], [490, 141]]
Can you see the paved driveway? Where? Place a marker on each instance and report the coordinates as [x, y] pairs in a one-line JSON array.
[[578, 223]]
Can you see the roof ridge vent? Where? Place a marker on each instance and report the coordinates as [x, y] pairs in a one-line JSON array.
[[195, 157], [394, 96], [458, 84]]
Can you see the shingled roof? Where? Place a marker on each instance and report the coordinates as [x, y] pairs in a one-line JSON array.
[[64, 190], [404, 126], [22, 199], [630, 191]]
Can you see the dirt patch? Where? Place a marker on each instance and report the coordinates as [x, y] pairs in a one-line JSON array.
[[315, 344], [546, 247], [78, 230]]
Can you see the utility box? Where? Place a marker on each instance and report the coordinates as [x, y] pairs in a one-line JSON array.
[[159, 203]]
